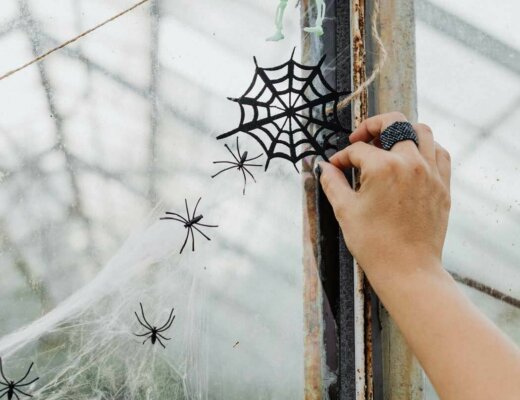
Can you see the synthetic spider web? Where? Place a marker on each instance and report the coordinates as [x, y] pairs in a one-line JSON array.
[[290, 110]]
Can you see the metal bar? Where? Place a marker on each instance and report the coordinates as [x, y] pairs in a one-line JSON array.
[[314, 326], [395, 90], [486, 289], [362, 334], [348, 335]]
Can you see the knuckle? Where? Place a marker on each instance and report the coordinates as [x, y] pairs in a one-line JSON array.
[[445, 197], [389, 165], [326, 183], [425, 128], [397, 116], [445, 153], [441, 151], [355, 147], [418, 166]]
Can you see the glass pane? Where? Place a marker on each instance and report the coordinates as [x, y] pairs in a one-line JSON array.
[[468, 80], [97, 142]]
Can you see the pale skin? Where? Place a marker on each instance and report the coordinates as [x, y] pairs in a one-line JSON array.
[[395, 226]]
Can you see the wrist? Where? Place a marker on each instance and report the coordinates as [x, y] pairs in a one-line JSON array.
[[404, 267]]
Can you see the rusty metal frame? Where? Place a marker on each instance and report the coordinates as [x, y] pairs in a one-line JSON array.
[[349, 353], [332, 366]]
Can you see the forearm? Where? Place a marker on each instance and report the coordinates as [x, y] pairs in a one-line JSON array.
[[464, 355], [395, 226]]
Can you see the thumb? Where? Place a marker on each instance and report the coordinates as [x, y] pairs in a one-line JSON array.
[[336, 188]]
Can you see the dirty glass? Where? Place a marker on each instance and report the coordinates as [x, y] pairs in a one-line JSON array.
[[98, 141], [468, 77]]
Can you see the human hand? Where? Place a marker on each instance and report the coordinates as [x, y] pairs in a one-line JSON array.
[[399, 216]]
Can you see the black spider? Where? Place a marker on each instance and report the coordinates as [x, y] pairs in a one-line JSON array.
[[190, 223], [240, 164], [11, 387], [155, 333]]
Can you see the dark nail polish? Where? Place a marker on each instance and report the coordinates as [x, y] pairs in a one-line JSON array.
[[317, 167], [317, 171]]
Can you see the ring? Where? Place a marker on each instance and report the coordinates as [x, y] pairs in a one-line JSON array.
[[397, 132]]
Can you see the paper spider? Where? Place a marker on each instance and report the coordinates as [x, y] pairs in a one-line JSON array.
[[154, 333], [278, 20], [240, 164], [190, 222], [11, 387]]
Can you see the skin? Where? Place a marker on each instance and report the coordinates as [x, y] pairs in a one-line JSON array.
[[402, 210]]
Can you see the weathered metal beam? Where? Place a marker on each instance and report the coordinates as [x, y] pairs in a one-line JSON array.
[[395, 90], [362, 298], [314, 352]]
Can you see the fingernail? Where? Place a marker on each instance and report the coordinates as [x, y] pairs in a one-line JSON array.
[[317, 166]]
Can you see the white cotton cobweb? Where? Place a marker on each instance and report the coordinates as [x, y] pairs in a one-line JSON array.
[[86, 344], [237, 304]]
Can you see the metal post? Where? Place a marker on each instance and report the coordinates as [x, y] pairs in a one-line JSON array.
[[395, 90]]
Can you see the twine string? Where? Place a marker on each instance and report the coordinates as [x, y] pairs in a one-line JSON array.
[[377, 68], [74, 39]]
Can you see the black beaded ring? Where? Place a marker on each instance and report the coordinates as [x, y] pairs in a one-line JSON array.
[[397, 132]]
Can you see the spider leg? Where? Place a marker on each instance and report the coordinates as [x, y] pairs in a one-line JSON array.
[[224, 162], [233, 154], [26, 375], [2, 371], [174, 219], [254, 158], [245, 182], [138, 319], [185, 240], [29, 383], [144, 318], [162, 337], [147, 339], [207, 226], [198, 230], [192, 238], [167, 322], [166, 327], [25, 394], [18, 396], [195, 210], [250, 174], [187, 210], [225, 169], [161, 343], [176, 215], [252, 165], [142, 335]]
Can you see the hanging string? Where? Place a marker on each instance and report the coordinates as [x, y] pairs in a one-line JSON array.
[[44, 55], [379, 65]]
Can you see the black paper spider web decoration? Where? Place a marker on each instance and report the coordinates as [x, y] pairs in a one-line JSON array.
[[283, 118]]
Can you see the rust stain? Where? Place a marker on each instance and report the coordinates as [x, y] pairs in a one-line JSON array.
[[312, 303], [369, 371], [360, 108], [359, 60], [312, 291]]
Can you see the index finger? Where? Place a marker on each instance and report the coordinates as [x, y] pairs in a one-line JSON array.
[[372, 127]]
